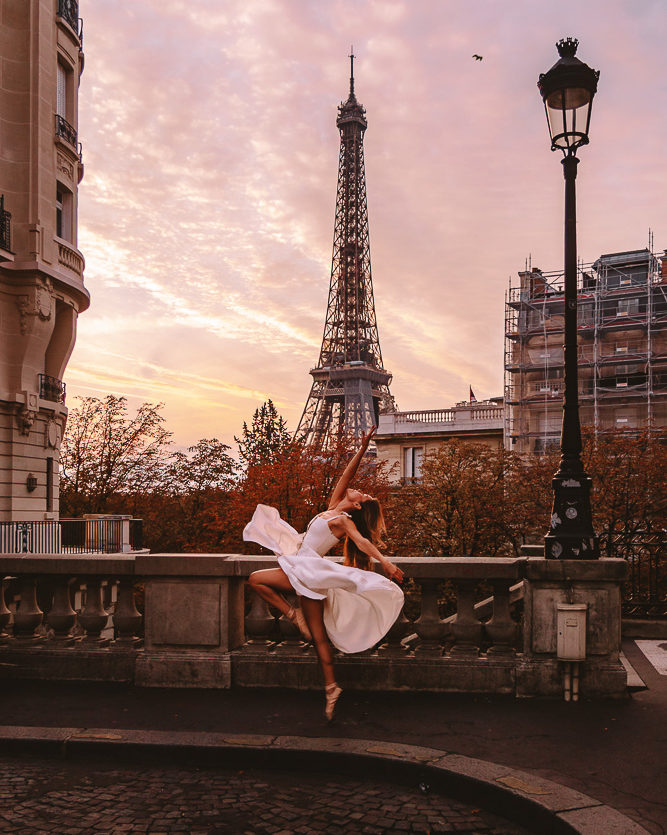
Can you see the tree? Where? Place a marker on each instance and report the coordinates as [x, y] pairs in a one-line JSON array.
[[628, 471], [299, 484], [201, 485], [106, 451], [460, 507], [266, 440]]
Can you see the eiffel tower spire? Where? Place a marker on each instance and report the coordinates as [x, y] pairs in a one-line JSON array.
[[349, 382]]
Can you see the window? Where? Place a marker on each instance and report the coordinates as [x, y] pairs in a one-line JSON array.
[[64, 205], [412, 462], [627, 307], [61, 102]]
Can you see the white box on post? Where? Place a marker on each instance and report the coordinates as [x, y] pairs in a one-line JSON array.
[[571, 644]]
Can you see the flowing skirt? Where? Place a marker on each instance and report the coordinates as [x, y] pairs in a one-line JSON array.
[[360, 607]]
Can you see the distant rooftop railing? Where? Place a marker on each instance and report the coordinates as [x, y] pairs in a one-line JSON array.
[[458, 416]]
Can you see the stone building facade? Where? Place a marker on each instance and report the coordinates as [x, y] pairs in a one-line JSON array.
[[41, 268], [622, 349], [403, 438]]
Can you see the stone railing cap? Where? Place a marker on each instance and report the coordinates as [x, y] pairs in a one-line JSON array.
[[604, 569], [105, 564]]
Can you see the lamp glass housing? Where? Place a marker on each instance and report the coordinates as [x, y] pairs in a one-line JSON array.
[[569, 116]]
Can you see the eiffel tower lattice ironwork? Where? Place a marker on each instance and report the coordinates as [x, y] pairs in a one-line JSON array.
[[350, 384]]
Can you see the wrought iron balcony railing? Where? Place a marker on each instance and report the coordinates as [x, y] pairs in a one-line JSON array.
[[69, 11], [65, 131], [72, 536], [5, 226], [50, 388]]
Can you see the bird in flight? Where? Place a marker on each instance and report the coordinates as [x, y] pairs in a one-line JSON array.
[[477, 57]]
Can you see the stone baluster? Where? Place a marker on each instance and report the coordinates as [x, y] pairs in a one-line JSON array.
[[28, 614], [61, 617], [291, 637], [94, 616], [466, 628], [501, 629], [126, 617], [5, 614], [392, 645], [430, 628], [259, 624]]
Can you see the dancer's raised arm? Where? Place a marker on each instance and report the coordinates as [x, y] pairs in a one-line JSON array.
[[350, 471]]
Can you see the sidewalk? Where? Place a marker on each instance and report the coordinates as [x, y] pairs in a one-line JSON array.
[[611, 751]]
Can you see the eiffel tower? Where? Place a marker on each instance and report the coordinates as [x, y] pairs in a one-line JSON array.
[[350, 384]]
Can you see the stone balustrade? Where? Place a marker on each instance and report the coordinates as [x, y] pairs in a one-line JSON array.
[[76, 617]]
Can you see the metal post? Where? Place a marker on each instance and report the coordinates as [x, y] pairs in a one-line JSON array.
[[571, 533]]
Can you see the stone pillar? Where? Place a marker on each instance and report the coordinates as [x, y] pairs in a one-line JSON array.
[[429, 626], [28, 615], [467, 628], [126, 618], [61, 617], [501, 629], [94, 617], [259, 625], [596, 583], [193, 618]]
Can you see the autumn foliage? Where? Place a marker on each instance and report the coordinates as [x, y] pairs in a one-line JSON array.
[[471, 501]]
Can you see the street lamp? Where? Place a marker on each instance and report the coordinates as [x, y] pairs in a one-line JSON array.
[[568, 89]]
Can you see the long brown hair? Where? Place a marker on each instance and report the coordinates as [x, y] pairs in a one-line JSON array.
[[369, 521]]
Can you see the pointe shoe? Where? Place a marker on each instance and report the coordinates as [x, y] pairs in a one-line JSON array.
[[332, 692], [297, 618]]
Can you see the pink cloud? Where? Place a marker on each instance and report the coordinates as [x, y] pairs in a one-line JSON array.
[[211, 150]]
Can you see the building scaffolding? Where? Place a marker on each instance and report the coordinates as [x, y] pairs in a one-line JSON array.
[[622, 349]]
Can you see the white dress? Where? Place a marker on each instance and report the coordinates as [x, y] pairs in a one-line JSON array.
[[360, 607]]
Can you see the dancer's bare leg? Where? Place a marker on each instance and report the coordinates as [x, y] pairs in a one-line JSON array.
[[266, 582], [314, 614]]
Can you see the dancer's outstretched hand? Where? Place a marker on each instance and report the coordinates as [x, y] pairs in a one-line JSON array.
[[365, 439], [395, 572]]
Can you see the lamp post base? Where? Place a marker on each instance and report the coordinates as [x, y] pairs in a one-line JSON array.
[[571, 535]]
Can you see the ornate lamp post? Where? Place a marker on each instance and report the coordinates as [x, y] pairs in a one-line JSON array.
[[568, 89]]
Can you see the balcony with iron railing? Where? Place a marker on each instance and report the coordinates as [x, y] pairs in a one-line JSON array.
[[68, 10], [52, 389], [66, 132]]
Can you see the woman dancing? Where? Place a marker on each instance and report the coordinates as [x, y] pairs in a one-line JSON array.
[[346, 604]]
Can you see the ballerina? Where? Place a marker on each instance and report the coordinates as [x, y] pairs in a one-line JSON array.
[[347, 605]]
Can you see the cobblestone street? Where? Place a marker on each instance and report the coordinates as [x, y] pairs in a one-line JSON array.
[[76, 798]]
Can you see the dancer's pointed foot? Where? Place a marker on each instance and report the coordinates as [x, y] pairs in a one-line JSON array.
[[332, 692], [297, 618]]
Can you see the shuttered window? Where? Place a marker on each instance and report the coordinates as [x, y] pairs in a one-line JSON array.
[[412, 462], [61, 107]]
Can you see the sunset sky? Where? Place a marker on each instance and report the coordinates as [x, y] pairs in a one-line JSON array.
[[211, 150]]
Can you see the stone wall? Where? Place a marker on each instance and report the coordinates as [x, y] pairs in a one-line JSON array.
[[199, 629]]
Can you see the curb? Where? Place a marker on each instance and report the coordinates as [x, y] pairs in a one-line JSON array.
[[543, 805]]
